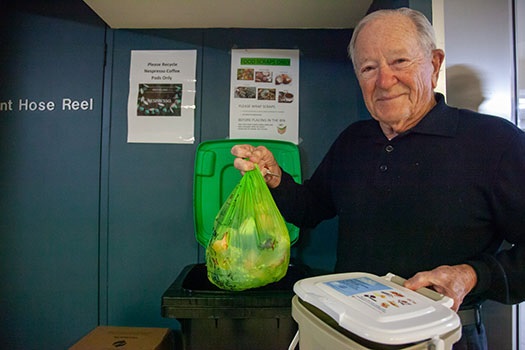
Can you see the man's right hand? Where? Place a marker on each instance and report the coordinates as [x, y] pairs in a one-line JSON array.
[[248, 156]]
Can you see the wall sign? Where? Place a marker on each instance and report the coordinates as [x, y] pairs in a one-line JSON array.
[[31, 105], [161, 102], [264, 98]]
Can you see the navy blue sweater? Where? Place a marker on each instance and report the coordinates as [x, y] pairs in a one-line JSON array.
[[448, 191]]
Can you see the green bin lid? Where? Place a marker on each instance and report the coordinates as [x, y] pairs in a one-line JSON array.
[[215, 177]]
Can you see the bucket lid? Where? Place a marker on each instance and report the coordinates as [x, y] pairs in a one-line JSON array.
[[377, 309], [215, 177]]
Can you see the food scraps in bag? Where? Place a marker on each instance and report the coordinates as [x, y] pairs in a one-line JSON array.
[[250, 244]]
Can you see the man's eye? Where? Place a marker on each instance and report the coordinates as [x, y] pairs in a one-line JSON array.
[[401, 62], [366, 69]]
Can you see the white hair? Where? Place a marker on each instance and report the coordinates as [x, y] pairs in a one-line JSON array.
[[423, 27]]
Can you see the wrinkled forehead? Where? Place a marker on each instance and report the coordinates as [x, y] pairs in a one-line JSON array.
[[391, 26], [391, 32]]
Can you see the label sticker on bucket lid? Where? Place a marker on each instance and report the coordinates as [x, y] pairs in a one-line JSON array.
[[374, 294], [356, 285]]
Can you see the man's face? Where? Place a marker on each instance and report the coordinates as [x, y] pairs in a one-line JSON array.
[[396, 76]]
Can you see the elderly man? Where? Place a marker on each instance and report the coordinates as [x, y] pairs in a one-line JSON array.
[[423, 190]]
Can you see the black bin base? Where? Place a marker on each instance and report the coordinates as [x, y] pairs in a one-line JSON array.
[[212, 318]]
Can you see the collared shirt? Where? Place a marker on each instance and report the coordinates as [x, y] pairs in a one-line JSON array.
[[448, 191]]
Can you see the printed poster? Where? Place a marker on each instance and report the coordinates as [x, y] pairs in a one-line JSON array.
[[161, 102], [264, 98]]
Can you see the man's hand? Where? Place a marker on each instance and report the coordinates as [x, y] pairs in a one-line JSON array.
[[248, 156], [453, 281]]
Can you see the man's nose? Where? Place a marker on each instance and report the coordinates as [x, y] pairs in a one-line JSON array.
[[386, 77]]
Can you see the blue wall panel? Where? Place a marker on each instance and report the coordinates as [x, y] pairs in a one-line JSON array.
[[93, 229], [150, 235], [49, 174]]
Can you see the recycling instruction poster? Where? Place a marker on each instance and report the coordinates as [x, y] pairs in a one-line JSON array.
[[264, 99], [161, 102]]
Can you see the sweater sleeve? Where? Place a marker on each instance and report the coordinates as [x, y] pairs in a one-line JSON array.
[[306, 205]]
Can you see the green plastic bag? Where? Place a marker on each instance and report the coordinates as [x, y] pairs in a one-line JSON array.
[[250, 244]]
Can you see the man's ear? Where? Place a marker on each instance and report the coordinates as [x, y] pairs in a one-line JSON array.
[[438, 56]]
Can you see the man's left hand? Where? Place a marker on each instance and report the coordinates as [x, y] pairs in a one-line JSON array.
[[453, 281]]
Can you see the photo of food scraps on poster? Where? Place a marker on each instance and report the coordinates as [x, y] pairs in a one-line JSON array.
[[264, 101]]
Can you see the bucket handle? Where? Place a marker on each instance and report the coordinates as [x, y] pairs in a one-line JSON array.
[[427, 292], [436, 343], [295, 341]]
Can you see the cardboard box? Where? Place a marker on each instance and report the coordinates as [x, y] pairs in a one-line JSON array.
[[126, 338]]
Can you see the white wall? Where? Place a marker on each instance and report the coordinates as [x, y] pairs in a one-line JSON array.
[[478, 44], [438, 22], [478, 36], [520, 49], [521, 331]]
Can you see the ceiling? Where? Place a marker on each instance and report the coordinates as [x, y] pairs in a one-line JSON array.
[[168, 14]]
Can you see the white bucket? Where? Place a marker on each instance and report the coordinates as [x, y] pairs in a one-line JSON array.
[[364, 311]]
